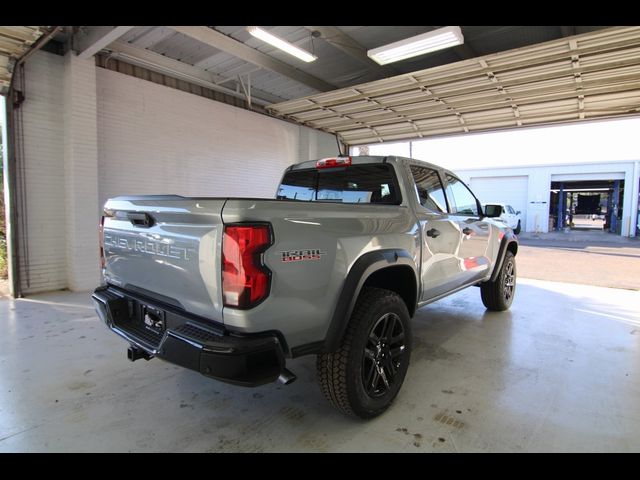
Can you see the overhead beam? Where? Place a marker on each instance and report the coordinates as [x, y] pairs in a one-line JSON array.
[[163, 64], [343, 42], [465, 52], [238, 49], [96, 38]]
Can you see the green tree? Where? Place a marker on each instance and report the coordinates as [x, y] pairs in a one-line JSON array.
[[3, 240]]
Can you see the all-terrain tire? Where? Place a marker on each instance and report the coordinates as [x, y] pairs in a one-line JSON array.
[[498, 295], [366, 350]]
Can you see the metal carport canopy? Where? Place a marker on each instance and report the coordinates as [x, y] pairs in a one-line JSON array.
[[14, 42], [589, 76]]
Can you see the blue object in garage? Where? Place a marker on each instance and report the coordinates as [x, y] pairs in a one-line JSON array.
[[614, 207], [560, 222]]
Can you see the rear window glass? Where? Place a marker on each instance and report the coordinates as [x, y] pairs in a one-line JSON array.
[[354, 184]]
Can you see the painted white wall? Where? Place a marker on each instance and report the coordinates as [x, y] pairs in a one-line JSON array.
[[92, 133], [41, 228], [540, 177], [154, 139], [510, 190]]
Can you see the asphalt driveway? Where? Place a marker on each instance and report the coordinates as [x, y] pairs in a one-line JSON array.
[[591, 263]]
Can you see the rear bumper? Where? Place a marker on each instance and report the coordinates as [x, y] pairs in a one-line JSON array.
[[186, 340]]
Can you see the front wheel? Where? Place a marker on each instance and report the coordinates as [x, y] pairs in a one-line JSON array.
[[364, 375], [498, 295]]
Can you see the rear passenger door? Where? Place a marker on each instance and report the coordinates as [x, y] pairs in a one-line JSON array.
[[439, 235], [473, 255]]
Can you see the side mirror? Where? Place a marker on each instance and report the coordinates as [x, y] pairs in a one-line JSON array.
[[492, 211], [518, 212]]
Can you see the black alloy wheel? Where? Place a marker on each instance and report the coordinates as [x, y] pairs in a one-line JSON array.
[[383, 355]]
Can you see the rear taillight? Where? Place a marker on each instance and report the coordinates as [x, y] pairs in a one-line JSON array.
[[245, 279], [101, 241]]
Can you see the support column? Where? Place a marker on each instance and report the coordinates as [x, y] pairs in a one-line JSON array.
[[81, 173]]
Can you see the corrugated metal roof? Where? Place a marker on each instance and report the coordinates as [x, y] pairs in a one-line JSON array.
[[329, 60], [588, 76], [14, 42], [333, 65]]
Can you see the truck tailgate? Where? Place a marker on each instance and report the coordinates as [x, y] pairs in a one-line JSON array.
[[168, 248]]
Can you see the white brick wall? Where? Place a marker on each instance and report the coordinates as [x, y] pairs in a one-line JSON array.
[[43, 165], [81, 173], [155, 139], [85, 144]]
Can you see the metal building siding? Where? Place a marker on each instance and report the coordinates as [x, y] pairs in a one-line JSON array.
[[511, 190]]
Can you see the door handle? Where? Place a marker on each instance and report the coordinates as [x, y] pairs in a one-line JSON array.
[[467, 231], [433, 233]]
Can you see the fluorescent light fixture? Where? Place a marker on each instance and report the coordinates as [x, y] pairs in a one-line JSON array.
[[420, 44], [281, 44]]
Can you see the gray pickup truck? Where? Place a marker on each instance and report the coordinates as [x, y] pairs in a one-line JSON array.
[[336, 265]]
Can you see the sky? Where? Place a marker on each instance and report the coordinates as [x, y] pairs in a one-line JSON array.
[[596, 141]]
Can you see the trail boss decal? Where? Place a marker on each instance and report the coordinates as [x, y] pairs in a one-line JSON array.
[[302, 255]]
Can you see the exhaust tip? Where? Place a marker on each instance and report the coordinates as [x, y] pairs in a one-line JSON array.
[[286, 377]]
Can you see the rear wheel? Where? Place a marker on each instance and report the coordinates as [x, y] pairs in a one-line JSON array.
[[364, 375], [498, 295], [517, 229]]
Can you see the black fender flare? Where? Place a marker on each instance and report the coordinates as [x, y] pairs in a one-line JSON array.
[[509, 238], [361, 270]]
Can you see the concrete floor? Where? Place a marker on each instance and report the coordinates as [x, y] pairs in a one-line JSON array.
[[559, 372]]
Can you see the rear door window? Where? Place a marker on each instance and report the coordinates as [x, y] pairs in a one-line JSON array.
[[372, 183], [429, 188]]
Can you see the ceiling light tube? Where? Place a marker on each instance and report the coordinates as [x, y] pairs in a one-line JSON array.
[[281, 44], [420, 44]]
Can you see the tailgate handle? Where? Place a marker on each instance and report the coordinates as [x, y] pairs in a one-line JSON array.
[[140, 219]]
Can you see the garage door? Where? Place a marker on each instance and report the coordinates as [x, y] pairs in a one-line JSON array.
[[509, 190]]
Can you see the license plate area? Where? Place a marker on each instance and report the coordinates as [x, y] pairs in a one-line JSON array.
[[143, 322], [152, 318]]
